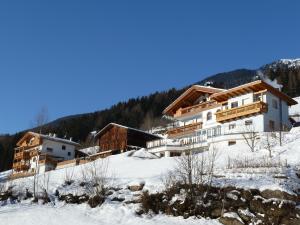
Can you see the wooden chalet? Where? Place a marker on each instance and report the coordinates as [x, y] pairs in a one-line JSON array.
[[117, 138]]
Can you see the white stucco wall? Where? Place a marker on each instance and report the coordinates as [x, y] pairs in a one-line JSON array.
[[57, 149]]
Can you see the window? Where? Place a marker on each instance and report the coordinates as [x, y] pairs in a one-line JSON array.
[[234, 104], [231, 143], [274, 103], [69, 153], [49, 149], [209, 116], [232, 126], [257, 98], [248, 122], [63, 147], [245, 101], [272, 125]]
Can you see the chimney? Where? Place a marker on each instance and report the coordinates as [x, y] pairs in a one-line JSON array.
[[54, 135], [71, 139]]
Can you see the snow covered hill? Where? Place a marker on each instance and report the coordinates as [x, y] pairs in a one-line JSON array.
[[262, 173]]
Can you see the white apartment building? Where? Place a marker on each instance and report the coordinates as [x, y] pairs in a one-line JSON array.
[[204, 115], [38, 153]]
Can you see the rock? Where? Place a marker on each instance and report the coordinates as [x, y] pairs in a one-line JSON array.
[[290, 221], [231, 219], [216, 213], [74, 199], [247, 195], [117, 199], [139, 212], [279, 194], [95, 201], [245, 215], [136, 187]]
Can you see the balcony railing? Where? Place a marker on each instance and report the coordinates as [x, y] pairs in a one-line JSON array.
[[47, 159], [188, 111], [242, 111], [184, 130], [21, 165]]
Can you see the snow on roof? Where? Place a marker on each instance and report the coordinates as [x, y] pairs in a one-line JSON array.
[[90, 151], [129, 128], [54, 138]]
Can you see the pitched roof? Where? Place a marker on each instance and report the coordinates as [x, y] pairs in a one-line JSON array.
[[48, 137], [191, 94], [254, 86], [129, 128]]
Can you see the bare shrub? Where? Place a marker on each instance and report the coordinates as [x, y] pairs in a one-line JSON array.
[[194, 170], [251, 137], [96, 178], [69, 175], [254, 162]]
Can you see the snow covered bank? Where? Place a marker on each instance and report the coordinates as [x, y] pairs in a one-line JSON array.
[[107, 214]]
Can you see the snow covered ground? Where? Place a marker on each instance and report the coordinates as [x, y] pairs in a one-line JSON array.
[[141, 167], [107, 214]]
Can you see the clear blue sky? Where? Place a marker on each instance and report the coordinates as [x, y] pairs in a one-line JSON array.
[[82, 56]]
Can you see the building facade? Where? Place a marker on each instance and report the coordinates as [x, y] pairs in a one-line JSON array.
[[203, 115], [38, 153]]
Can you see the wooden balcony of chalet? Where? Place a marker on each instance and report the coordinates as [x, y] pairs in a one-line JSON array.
[[192, 110], [184, 130], [47, 159], [24, 153], [242, 111], [20, 165]]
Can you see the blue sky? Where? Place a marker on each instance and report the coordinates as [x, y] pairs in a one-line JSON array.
[[82, 56]]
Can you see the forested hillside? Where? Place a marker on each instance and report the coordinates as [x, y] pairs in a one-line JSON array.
[[145, 112]]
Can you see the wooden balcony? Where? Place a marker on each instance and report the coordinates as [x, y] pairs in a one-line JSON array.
[[21, 165], [184, 130], [242, 111], [22, 155], [47, 159], [192, 110], [25, 155]]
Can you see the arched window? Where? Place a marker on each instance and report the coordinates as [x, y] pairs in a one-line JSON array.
[[208, 116]]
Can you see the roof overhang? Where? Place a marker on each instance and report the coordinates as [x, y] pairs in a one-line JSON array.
[[255, 86], [189, 96]]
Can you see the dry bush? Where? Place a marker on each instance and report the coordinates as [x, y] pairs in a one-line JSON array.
[[69, 176], [96, 177]]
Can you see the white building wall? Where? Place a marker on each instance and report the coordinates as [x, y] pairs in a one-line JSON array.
[[57, 149], [274, 113]]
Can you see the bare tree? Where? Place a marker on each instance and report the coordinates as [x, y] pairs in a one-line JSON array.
[[41, 118], [251, 137], [96, 176], [194, 170], [270, 141]]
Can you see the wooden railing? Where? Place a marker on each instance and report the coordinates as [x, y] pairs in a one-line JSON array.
[[195, 109], [47, 159], [184, 130], [21, 165], [245, 110]]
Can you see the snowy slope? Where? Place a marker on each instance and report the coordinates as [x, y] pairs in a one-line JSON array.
[[295, 109], [140, 167], [107, 214]]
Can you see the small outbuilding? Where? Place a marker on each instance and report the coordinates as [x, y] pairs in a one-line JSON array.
[[118, 138]]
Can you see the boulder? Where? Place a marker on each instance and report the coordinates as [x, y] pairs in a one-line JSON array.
[[268, 194], [96, 201], [136, 187], [231, 219]]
